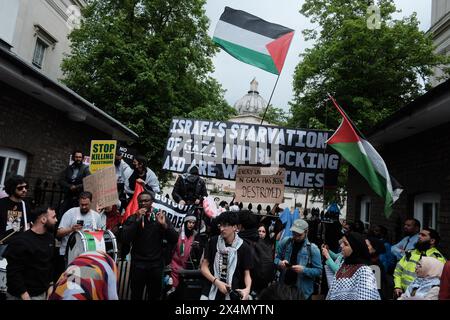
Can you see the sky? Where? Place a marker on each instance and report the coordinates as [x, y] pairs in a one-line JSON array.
[[235, 76]]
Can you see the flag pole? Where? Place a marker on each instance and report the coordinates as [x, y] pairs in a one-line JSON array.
[[344, 114], [270, 99]]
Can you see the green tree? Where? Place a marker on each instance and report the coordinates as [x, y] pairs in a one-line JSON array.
[[144, 62], [220, 111], [371, 72]]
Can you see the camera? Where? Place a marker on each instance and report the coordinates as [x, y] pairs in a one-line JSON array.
[[235, 295]]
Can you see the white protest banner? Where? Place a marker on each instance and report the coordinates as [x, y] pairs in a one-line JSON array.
[[260, 184], [174, 211], [103, 186]]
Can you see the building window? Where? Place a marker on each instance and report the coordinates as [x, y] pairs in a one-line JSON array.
[[39, 51], [365, 211], [426, 209], [11, 162], [44, 40]]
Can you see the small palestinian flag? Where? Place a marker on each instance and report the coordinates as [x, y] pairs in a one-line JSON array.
[[253, 40]]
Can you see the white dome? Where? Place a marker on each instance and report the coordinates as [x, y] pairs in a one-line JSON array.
[[252, 102]]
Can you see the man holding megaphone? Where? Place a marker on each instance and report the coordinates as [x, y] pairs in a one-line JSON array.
[[145, 230]]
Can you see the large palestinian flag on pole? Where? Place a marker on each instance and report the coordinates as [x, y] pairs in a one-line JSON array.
[[366, 160], [253, 40]]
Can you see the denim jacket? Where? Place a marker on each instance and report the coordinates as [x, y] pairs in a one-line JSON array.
[[305, 280]]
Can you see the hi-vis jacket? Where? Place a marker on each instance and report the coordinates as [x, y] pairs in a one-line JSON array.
[[405, 271]]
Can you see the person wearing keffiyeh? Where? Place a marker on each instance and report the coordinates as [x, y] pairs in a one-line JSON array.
[[227, 263], [355, 279], [91, 276], [183, 248]]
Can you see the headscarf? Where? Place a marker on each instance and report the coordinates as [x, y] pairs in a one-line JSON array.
[[421, 286], [360, 254], [185, 233], [377, 245], [431, 267], [91, 276]]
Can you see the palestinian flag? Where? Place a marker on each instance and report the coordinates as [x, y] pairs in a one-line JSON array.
[[253, 40], [133, 206], [364, 158]]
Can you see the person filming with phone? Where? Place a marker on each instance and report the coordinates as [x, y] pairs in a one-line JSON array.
[[145, 230], [76, 219], [299, 260]]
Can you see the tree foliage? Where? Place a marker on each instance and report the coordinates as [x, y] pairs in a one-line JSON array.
[[371, 72], [221, 111], [276, 116], [144, 62]]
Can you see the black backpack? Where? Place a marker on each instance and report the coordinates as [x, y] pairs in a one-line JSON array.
[[263, 269]]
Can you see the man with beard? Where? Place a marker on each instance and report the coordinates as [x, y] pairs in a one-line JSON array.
[[405, 271], [411, 230], [189, 188], [71, 181], [299, 260], [76, 219], [13, 209], [30, 255]]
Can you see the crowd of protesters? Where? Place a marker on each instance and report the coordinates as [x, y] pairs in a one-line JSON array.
[[242, 254]]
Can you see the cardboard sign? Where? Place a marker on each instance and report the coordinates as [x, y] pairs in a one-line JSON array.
[[103, 153], [103, 187], [260, 184]]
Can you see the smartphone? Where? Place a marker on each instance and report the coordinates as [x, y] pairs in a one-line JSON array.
[[288, 265], [80, 222], [234, 295]]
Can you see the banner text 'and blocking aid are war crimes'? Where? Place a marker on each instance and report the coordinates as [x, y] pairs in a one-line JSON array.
[[217, 148]]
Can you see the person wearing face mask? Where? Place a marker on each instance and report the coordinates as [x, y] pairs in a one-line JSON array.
[[404, 272], [140, 173], [189, 188], [426, 285], [354, 280], [299, 260], [71, 181]]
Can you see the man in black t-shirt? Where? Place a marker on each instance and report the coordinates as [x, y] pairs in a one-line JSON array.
[[227, 263], [13, 208]]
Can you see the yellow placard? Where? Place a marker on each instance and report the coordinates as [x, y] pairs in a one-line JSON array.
[[102, 154]]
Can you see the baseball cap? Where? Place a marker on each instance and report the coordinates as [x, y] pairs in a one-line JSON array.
[[299, 226]]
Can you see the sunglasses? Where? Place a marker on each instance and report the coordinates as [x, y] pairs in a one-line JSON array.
[[20, 188]]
